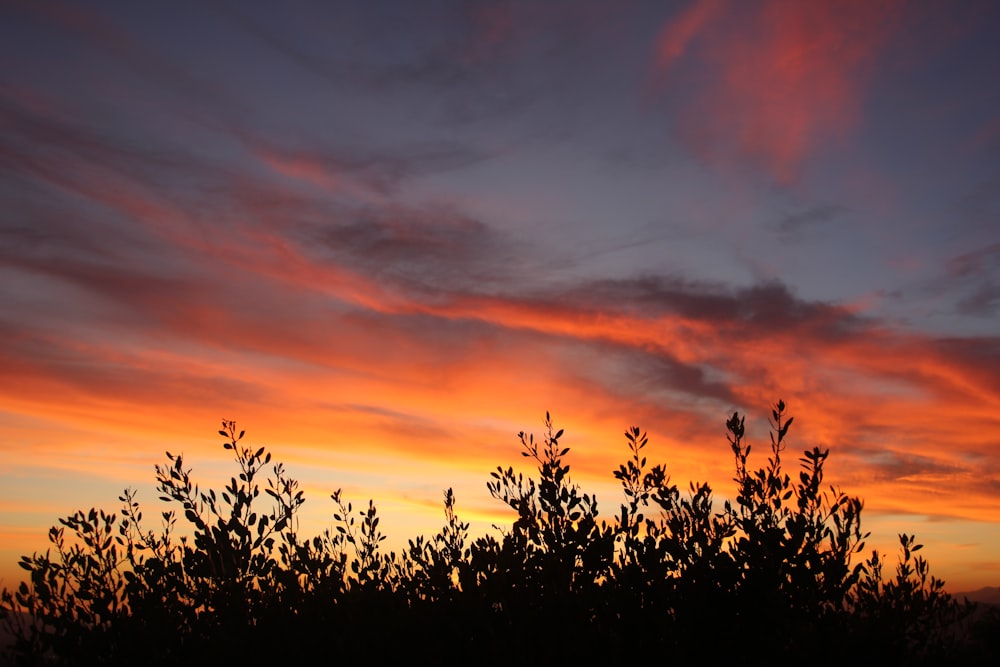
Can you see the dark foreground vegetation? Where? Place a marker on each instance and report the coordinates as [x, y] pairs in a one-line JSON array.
[[776, 574]]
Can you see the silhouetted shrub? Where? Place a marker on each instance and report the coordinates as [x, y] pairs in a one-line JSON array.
[[771, 574]]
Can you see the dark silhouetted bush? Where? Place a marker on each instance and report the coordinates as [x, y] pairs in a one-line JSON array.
[[770, 576]]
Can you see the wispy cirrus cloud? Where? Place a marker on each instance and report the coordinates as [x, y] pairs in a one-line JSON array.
[[769, 83], [677, 36], [363, 173]]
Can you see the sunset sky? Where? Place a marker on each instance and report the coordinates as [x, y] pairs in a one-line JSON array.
[[385, 237]]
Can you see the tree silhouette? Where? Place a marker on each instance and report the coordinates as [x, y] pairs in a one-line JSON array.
[[771, 573]]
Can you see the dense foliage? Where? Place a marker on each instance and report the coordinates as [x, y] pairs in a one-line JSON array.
[[773, 574]]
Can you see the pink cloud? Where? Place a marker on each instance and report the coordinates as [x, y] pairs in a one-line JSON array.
[[676, 37], [313, 171], [780, 80]]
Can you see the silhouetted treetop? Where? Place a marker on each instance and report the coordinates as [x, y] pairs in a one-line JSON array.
[[777, 571]]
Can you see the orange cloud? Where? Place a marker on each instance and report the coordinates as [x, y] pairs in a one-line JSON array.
[[448, 387]]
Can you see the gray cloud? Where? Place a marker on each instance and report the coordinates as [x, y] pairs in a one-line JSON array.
[[977, 275], [817, 216], [759, 310], [894, 466]]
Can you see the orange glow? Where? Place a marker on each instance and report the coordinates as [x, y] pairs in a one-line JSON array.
[[403, 398], [461, 226]]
